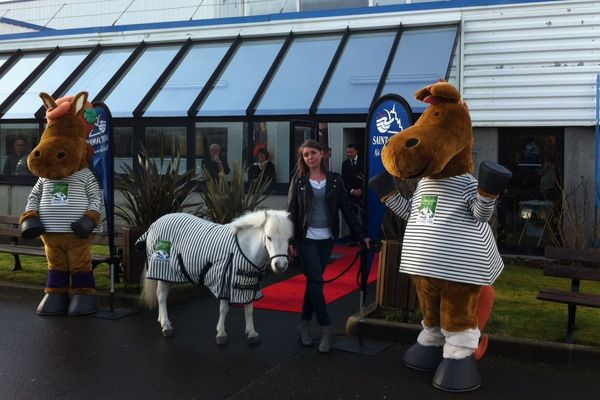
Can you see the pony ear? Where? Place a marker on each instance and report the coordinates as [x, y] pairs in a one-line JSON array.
[[48, 101], [79, 103]]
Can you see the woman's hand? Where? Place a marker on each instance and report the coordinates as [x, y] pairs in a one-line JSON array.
[[292, 250], [367, 242]]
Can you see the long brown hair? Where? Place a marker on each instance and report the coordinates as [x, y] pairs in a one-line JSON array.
[[301, 167]]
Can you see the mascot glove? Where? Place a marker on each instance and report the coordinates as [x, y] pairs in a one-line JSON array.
[[383, 184], [83, 227], [493, 178], [31, 228]]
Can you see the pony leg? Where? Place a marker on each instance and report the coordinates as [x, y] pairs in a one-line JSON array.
[[162, 292], [221, 338], [251, 334]]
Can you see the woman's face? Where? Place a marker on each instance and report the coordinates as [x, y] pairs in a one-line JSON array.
[[311, 156]]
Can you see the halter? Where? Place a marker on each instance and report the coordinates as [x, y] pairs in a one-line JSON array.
[[262, 268]]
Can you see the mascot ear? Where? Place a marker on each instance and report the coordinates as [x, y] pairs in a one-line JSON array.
[[79, 102], [48, 101]]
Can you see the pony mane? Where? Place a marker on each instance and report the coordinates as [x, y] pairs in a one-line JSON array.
[[277, 220]]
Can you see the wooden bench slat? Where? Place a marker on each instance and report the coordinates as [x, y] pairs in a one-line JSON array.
[[564, 254], [568, 297], [572, 272]]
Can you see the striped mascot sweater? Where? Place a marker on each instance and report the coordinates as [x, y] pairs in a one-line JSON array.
[[447, 234], [184, 248]]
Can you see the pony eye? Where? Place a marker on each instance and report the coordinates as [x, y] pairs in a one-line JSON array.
[[269, 238]]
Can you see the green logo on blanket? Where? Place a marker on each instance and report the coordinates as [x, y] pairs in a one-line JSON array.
[[163, 250], [427, 210], [60, 194]]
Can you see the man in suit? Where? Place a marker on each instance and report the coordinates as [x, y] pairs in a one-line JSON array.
[[216, 163], [353, 176]]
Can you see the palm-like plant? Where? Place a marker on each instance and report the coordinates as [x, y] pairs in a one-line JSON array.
[[150, 194], [224, 201]]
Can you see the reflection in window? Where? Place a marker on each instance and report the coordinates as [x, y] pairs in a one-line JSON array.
[[357, 74], [18, 72], [229, 140], [47, 82], [98, 73], [274, 137], [189, 78], [137, 81], [167, 143], [17, 142]]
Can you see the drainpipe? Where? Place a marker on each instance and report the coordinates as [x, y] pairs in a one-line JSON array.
[[596, 193]]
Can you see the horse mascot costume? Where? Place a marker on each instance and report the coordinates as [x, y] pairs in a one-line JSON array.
[[449, 249], [229, 260], [64, 205]]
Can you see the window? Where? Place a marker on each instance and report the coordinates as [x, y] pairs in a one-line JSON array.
[[227, 141], [122, 144], [18, 72], [17, 142], [274, 137], [167, 143]]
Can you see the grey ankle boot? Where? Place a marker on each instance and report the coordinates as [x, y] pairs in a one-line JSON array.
[[304, 334], [325, 344]]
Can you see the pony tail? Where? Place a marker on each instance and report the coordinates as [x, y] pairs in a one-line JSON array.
[[148, 295]]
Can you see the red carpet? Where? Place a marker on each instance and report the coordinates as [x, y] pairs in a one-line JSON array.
[[288, 295]]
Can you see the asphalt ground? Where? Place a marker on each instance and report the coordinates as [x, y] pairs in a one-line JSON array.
[[128, 358]]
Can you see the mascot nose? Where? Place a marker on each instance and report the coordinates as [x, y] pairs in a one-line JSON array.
[[60, 155], [411, 143]]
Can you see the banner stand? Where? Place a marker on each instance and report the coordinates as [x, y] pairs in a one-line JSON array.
[[387, 116], [101, 164]]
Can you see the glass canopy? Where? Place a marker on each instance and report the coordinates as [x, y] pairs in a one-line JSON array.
[[432, 48], [326, 74], [357, 74], [48, 82], [181, 89], [295, 85], [236, 87]]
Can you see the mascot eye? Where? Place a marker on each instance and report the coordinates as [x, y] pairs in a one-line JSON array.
[[437, 113]]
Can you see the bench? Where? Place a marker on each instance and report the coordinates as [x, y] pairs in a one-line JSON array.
[[582, 265], [10, 231]]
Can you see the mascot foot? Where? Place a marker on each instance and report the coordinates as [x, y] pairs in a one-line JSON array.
[[457, 375], [82, 304], [423, 358], [53, 304]]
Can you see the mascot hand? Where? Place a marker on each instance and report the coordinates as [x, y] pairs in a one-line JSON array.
[[383, 184], [83, 227], [493, 178], [31, 225]]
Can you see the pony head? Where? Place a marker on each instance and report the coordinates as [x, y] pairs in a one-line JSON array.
[[63, 148], [277, 230]]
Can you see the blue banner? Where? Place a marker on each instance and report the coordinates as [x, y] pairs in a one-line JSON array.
[[389, 115], [102, 163]]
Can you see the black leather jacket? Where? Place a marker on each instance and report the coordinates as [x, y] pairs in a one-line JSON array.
[[300, 198]]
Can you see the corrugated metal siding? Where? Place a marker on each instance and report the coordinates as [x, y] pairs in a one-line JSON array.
[[532, 65]]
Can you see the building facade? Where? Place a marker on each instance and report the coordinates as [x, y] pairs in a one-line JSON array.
[[179, 76]]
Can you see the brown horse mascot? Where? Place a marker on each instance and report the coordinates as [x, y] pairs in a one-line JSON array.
[[64, 205], [449, 249]]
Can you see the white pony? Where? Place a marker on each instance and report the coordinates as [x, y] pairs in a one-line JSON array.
[[229, 260]]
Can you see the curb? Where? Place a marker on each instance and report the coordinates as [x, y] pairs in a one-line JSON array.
[[528, 350]]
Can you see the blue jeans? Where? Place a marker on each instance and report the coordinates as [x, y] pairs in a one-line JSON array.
[[314, 255]]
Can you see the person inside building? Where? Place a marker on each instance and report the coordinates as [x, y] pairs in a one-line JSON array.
[[315, 198], [16, 162], [216, 163], [262, 169], [352, 173]]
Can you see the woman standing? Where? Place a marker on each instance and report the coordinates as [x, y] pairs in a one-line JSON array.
[[315, 198]]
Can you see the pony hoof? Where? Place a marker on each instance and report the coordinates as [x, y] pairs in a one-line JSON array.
[[221, 340], [254, 340], [168, 333]]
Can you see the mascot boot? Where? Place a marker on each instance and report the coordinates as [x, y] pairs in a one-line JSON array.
[[448, 206]]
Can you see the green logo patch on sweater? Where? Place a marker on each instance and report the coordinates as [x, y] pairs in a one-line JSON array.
[[60, 194], [427, 210]]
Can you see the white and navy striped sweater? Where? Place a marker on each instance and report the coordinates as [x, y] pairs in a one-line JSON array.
[[62, 201], [448, 235], [209, 254]]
